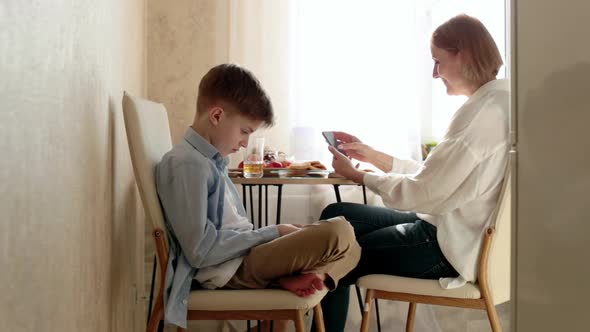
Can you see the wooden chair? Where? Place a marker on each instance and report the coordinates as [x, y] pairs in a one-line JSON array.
[[492, 287], [148, 134]]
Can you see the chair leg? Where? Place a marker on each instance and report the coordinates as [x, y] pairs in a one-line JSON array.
[[157, 315], [318, 317], [493, 316], [378, 316], [411, 316], [152, 288], [299, 321], [367, 311], [359, 298]]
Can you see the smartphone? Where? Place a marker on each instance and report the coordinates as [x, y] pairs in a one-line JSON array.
[[329, 136]]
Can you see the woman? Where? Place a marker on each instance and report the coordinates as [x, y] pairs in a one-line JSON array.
[[452, 193]]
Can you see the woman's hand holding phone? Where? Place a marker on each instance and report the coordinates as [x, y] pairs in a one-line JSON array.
[[343, 166], [332, 141], [356, 149], [343, 137], [353, 147]]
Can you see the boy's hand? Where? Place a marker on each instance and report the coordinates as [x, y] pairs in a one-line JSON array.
[[285, 229]]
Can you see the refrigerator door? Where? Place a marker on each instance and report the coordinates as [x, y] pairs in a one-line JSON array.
[[551, 87]]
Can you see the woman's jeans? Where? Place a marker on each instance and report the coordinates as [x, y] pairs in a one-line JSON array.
[[393, 242]]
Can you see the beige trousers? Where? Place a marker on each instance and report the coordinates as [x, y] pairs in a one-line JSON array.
[[327, 246]]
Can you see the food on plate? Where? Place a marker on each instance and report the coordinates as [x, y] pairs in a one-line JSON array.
[[274, 159], [307, 165], [302, 166], [270, 154], [317, 165], [284, 159], [273, 164], [270, 164], [306, 168]]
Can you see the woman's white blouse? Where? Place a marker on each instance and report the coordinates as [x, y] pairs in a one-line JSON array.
[[457, 187]]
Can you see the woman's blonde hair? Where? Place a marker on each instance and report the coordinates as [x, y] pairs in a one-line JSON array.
[[468, 35]]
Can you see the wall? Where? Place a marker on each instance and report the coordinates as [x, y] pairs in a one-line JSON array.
[[70, 237], [184, 40], [552, 79]]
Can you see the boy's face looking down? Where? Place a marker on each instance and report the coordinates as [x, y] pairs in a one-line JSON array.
[[231, 130], [231, 105]]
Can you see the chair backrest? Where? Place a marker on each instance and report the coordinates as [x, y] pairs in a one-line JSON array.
[[499, 254], [148, 135]]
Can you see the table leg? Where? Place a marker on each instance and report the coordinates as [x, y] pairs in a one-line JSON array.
[[244, 196], [259, 206], [261, 195], [280, 195], [337, 192], [251, 205], [265, 205]]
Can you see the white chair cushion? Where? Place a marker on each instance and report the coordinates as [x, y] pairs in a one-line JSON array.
[[416, 286], [148, 134], [251, 299]]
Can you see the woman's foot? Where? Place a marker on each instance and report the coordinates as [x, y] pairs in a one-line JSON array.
[[304, 284]]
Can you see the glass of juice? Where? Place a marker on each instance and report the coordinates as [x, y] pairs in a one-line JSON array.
[[253, 158]]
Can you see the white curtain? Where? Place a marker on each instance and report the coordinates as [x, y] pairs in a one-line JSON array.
[[361, 67], [350, 73], [334, 65]]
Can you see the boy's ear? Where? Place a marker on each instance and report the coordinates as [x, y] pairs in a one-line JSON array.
[[216, 113]]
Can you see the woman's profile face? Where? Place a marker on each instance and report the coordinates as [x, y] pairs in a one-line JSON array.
[[448, 66]]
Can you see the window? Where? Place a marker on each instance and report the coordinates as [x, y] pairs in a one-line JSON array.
[[362, 67]]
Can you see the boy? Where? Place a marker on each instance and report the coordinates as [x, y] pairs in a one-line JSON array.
[[213, 244]]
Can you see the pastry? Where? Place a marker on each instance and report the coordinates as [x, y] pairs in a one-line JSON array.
[[307, 165]]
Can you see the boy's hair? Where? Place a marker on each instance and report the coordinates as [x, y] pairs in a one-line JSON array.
[[237, 86], [468, 35]]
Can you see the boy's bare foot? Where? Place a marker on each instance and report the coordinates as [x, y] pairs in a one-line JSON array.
[[304, 284]]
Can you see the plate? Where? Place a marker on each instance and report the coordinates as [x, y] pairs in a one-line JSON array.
[[301, 173], [268, 172]]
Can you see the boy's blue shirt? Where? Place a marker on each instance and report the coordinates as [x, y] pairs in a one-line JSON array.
[[192, 181]]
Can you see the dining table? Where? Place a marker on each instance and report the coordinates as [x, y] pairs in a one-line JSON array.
[[263, 183]]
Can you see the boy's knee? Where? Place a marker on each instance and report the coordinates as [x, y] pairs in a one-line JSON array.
[[340, 229], [342, 235]]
